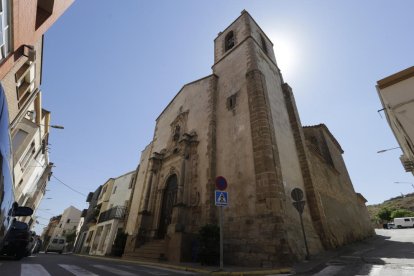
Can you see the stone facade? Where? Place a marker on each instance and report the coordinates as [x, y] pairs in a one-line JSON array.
[[242, 123]]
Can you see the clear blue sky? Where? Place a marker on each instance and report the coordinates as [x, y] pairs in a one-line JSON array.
[[110, 68]]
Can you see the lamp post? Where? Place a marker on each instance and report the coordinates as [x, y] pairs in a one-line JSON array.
[[384, 150], [53, 126], [403, 182]]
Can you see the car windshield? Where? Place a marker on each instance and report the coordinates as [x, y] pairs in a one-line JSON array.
[[61, 241], [54, 241]]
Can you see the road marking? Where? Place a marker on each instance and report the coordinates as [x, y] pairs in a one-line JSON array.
[[329, 270], [170, 270], [33, 270], [144, 270], [76, 270], [115, 271]]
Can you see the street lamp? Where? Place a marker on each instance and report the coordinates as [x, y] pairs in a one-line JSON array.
[[53, 126], [384, 150]]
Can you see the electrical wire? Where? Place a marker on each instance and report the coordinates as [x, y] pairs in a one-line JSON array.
[[69, 187]]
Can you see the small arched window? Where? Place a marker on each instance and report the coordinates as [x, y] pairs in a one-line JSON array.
[[264, 47], [229, 41]]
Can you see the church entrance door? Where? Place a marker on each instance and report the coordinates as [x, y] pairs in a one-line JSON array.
[[168, 201]]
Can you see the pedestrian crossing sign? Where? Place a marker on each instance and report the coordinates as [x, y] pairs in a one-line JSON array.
[[221, 198]]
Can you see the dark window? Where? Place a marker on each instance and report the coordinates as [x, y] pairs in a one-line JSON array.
[[406, 219], [114, 190], [229, 41], [44, 11], [68, 221], [263, 44], [231, 102]]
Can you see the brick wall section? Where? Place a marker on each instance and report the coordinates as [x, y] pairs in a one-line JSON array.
[[270, 198], [209, 208], [311, 198]]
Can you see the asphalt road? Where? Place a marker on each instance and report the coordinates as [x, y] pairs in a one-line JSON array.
[[390, 254], [62, 265]]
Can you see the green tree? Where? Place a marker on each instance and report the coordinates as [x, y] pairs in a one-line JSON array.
[[384, 214], [400, 213]]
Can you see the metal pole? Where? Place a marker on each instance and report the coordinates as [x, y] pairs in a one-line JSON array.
[[221, 236], [304, 237]]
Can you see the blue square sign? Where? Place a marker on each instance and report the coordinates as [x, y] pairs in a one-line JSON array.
[[221, 198]]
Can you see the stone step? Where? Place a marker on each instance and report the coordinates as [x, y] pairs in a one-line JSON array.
[[150, 251]]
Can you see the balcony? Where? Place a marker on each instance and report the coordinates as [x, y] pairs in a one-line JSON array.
[[117, 212]]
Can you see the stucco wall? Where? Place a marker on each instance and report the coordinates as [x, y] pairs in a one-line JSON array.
[[194, 99], [138, 193]]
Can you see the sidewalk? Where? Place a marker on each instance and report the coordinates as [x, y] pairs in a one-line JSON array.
[[305, 267], [321, 260]]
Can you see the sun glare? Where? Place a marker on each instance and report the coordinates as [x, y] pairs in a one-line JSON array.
[[286, 52]]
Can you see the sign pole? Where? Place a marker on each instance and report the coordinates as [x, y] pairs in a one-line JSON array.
[[297, 196], [221, 236], [304, 237], [221, 200]]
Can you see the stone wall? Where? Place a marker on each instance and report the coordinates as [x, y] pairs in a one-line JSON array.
[[343, 214]]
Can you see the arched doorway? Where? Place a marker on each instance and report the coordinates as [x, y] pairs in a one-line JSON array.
[[168, 201]]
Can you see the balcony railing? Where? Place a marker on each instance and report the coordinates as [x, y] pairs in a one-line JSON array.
[[117, 212]]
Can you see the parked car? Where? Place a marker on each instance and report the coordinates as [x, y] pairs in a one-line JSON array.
[[38, 245], [391, 225], [32, 243], [57, 244], [404, 222], [14, 235]]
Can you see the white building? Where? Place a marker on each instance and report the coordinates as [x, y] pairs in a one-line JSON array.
[[113, 202], [397, 97], [68, 222]]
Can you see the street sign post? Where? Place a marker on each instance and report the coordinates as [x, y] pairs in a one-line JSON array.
[[299, 204], [221, 183], [221, 200]]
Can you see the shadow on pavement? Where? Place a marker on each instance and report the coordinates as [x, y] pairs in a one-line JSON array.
[[377, 250]]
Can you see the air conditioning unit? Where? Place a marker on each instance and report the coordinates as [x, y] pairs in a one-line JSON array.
[[31, 55], [30, 52]]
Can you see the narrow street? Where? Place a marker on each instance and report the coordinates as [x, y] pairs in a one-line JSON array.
[[391, 253], [69, 265]]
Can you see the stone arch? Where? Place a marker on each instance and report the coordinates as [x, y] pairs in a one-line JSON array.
[[169, 199]]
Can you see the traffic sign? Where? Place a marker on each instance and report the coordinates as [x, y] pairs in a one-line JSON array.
[[297, 194], [221, 198], [299, 205], [221, 183]]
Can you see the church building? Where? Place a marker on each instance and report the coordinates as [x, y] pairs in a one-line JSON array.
[[241, 123]]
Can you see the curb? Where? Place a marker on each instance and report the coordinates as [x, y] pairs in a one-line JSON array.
[[258, 272], [192, 269]]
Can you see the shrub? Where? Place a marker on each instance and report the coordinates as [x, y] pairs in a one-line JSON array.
[[400, 213], [209, 242]]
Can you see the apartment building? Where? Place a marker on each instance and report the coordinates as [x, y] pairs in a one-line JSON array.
[[90, 217], [397, 98], [68, 222], [23, 24], [112, 205]]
